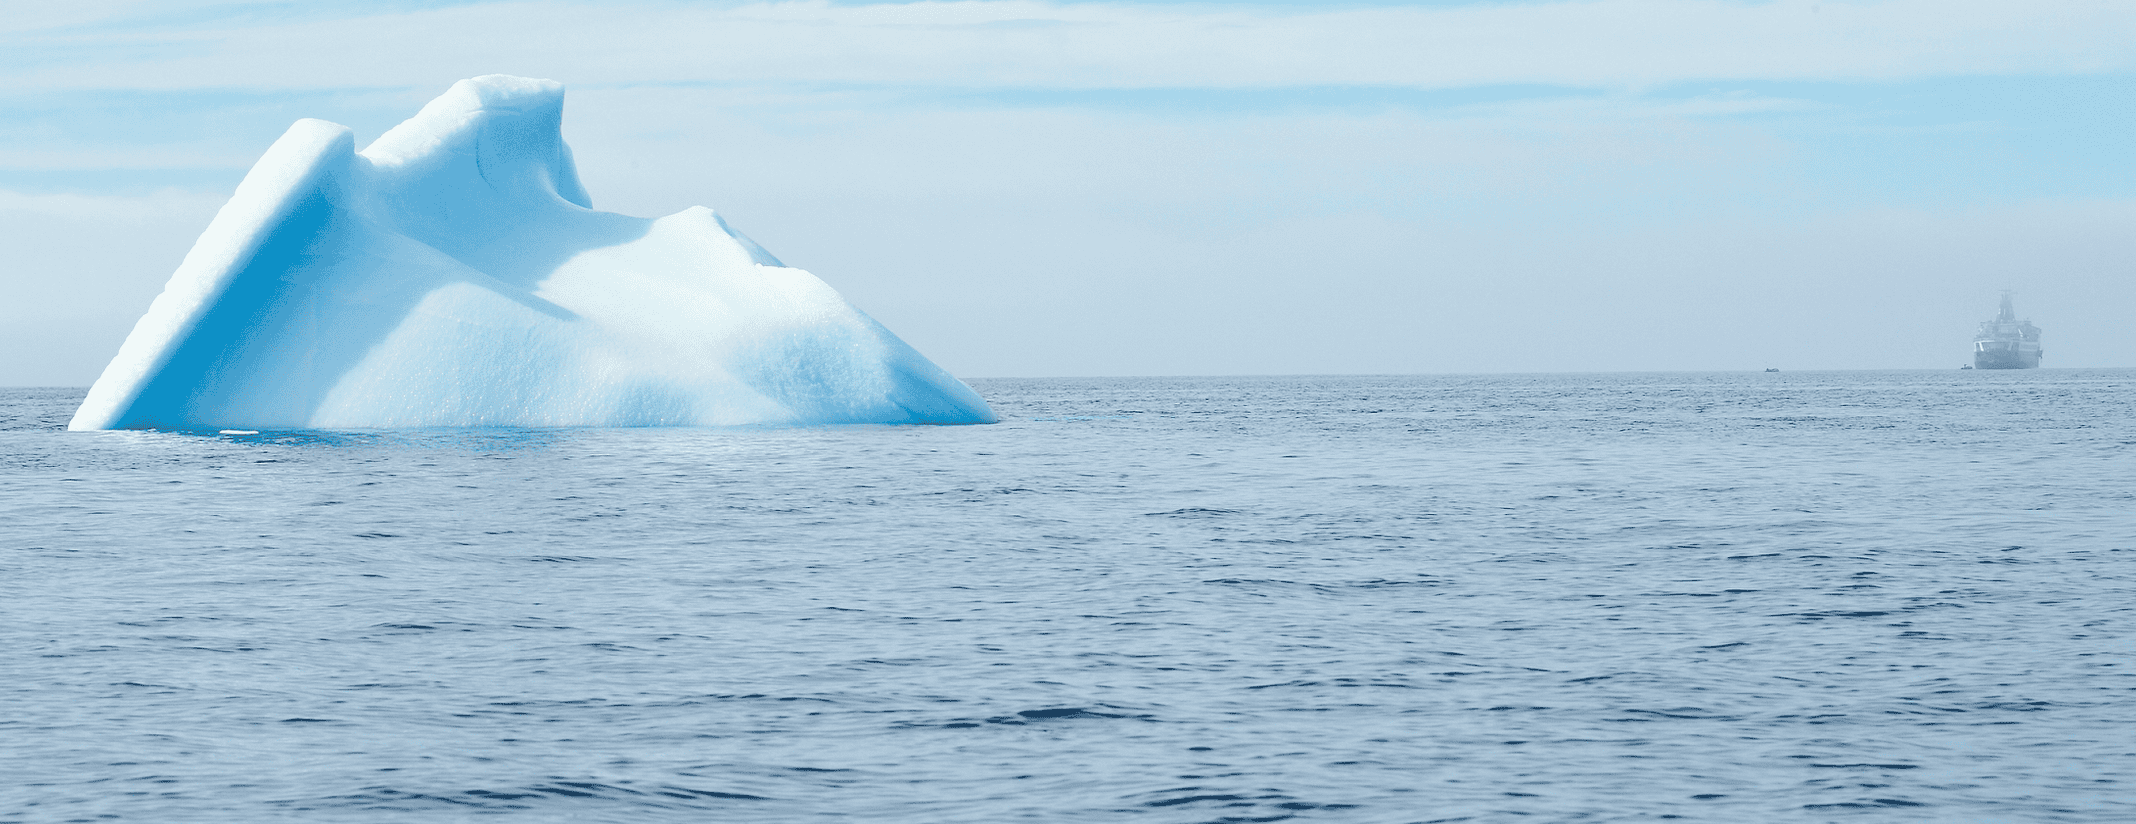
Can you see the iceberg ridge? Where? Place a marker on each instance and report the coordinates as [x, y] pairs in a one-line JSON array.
[[454, 273]]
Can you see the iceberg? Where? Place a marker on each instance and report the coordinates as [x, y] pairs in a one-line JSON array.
[[454, 273]]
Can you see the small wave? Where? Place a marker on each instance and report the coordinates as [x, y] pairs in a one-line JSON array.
[[1025, 717], [1871, 803], [1271, 799], [1816, 616], [519, 798]]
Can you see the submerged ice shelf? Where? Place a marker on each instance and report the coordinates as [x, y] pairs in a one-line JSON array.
[[454, 273]]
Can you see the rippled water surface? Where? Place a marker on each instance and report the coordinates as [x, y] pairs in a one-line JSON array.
[[1867, 596]]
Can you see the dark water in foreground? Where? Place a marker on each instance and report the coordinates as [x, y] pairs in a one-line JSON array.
[[1868, 596]]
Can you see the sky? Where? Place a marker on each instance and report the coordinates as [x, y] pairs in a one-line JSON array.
[[1024, 188]]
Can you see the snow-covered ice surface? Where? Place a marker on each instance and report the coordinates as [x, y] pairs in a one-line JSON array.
[[454, 274]]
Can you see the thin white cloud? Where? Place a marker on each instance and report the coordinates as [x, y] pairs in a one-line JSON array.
[[116, 209], [32, 18], [1024, 44]]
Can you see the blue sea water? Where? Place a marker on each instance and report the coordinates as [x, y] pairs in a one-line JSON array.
[[1794, 597]]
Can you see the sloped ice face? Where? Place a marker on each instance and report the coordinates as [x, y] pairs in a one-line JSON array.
[[453, 273]]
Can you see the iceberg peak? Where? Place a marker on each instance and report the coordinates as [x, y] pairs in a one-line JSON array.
[[505, 131], [453, 273]]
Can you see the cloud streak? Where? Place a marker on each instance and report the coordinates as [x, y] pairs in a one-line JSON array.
[[1024, 44]]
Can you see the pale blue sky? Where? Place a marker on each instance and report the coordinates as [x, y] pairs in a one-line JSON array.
[[1032, 188]]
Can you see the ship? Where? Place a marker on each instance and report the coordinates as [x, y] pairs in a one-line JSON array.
[[2006, 342]]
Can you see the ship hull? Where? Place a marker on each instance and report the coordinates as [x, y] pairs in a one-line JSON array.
[[2006, 360]]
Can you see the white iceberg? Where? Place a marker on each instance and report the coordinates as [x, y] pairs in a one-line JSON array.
[[455, 274]]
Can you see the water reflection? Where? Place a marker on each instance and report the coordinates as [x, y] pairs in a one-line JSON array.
[[470, 439]]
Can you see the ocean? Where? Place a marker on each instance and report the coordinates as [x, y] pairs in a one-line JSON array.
[[1727, 597]]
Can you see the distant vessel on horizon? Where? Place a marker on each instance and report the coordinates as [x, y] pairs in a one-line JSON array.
[[2006, 342]]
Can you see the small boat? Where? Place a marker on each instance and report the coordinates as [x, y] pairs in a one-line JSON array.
[[1769, 369]]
